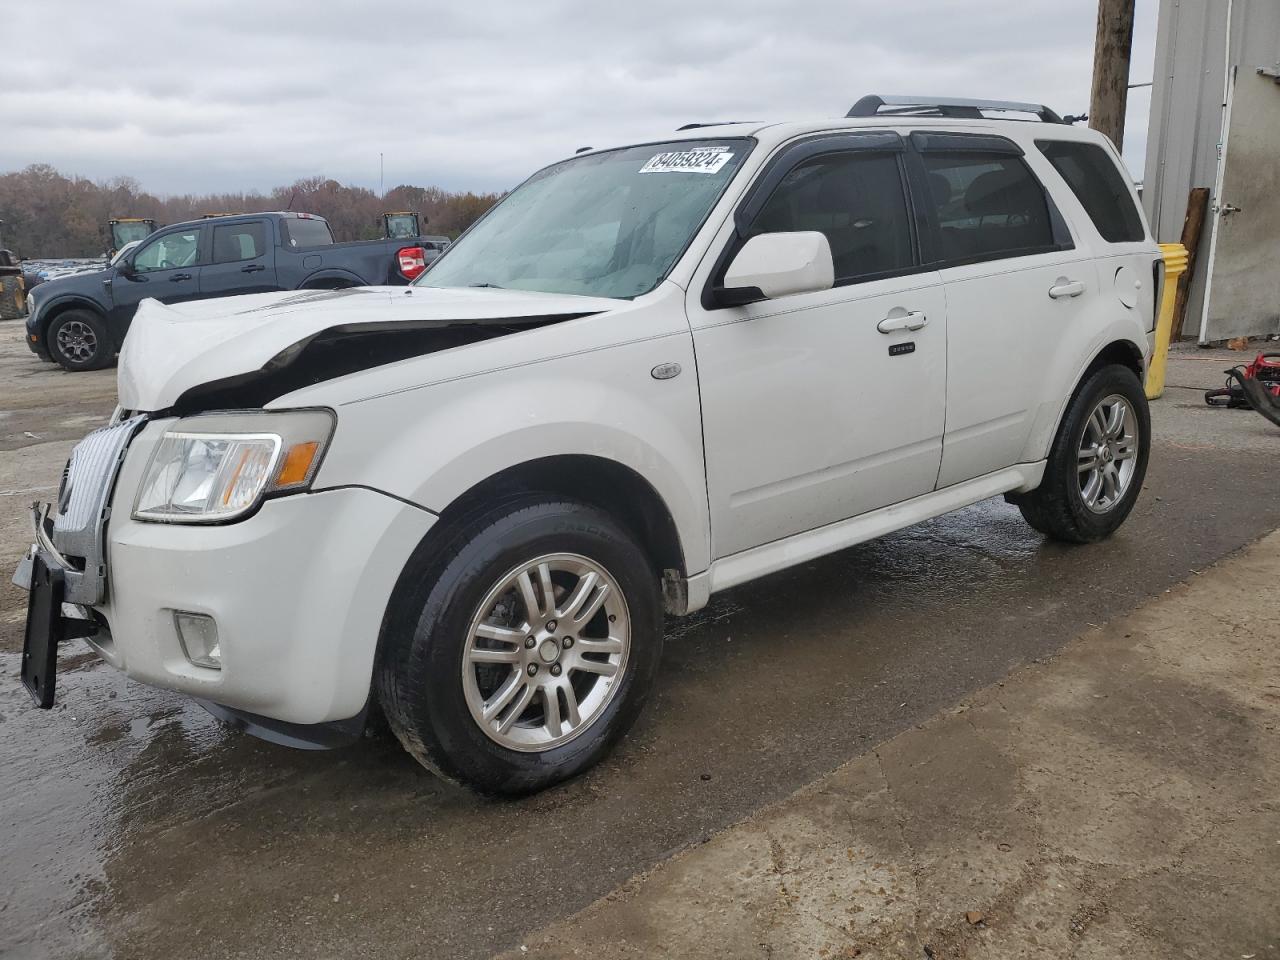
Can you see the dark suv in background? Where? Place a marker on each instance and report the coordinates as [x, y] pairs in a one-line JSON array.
[[80, 321]]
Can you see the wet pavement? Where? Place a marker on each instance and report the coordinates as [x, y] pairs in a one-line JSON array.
[[1115, 800], [134, 825]]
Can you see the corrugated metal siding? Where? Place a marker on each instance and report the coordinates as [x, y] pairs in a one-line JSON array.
[[1186, 107]]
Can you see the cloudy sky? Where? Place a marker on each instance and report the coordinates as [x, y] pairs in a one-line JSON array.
[[237, 95]]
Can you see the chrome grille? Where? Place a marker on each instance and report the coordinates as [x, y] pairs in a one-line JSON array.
[[80, 517]]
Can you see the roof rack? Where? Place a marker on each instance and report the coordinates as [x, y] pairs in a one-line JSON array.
[[711, 123], [870, 106]]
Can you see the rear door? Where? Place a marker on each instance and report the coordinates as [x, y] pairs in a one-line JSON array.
[[821, 406], [241, 259], [1015, 282], [165, 267]]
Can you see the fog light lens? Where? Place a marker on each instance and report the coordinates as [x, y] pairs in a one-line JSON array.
[[198, 635]]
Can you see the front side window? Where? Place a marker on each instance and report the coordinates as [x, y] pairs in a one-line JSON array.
[[1099, 186], [857, 201], [239, 241], [988, 206], [610, 224], [178, 249]]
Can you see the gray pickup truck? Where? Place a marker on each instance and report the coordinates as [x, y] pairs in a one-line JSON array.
[[80, 321]]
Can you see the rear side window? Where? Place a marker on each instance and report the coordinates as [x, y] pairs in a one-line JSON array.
[[988, 206], [305, 232], [857, 201], [1099, 186], [239, 241]]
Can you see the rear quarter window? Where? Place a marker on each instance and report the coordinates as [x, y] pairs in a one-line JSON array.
[[305, 232], [1099, 185]]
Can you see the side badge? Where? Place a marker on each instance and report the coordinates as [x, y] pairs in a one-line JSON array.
[[898, 349], [665, 371]]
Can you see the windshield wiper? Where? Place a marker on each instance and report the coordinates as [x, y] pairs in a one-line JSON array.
[[491, 286]]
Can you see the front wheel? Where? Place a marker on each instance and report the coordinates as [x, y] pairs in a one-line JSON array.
[[1098, 460], [519, 657], [79, 340]]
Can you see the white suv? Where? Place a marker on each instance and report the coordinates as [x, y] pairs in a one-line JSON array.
[[648, 374]]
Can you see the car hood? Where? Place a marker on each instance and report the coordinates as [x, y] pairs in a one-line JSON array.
[[88, 281], [249, 347]]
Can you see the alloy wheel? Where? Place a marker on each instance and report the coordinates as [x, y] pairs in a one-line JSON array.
[[77, 341], [1108, 453], [546, 652]]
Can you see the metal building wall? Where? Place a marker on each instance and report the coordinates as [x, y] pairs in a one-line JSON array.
[[1186, 112]]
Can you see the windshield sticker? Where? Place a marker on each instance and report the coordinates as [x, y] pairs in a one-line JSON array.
[[697, 160]]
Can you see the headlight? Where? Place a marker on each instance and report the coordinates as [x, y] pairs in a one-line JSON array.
[[215, 467]]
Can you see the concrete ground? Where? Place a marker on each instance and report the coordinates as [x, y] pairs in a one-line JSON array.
[[133, 825], [1121, 799]]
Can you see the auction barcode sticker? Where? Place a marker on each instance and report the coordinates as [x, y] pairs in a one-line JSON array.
[[697, 160]]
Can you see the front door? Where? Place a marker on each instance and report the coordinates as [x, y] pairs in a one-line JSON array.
[[818, 407], [166, 268], [241, 260]]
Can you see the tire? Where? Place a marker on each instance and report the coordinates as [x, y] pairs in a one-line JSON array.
[[12, 298], [1075, 501], [79, 340], [437, 673]]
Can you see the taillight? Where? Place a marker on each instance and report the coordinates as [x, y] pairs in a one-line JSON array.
[[413, 260]]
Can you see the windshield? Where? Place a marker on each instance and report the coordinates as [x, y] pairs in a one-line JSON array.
[[605, 225]]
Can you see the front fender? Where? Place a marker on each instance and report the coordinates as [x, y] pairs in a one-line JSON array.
[[38, 321], [431, 444]]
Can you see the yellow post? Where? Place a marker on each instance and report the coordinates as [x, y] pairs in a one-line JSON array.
[[1175, 265]]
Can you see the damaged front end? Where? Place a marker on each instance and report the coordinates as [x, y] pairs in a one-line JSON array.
[[345, 349], [245, 352]]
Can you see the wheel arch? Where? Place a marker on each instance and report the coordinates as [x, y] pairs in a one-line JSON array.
[[331, 280], [607, 484], [1124, 353], [52, 311], [1118, 350]]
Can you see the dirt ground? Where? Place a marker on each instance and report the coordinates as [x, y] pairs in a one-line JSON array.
[[133, 825]]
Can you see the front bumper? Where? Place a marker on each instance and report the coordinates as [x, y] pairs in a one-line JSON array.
[[298, 592], [35, 343]]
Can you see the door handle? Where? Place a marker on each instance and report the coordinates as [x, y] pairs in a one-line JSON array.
[[899, 319], [174, 278], [253, 268], [1063, 287]]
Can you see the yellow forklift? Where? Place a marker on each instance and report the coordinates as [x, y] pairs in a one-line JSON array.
[[400, 225], [12, 289], [122, 230]]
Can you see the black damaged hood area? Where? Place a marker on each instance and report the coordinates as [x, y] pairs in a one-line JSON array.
[[247, 351], [341, 350]]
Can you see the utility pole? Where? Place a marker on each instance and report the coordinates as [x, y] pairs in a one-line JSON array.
[[1111, 50]]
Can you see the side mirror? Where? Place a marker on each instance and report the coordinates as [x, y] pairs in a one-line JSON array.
[[773, 265], [125, 266]]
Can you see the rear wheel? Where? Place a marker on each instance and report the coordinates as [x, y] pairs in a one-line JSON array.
[[1098, 460], [79, 340], [529, 653]]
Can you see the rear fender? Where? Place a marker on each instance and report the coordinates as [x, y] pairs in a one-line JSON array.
[[330, 277], [1065, 370]]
